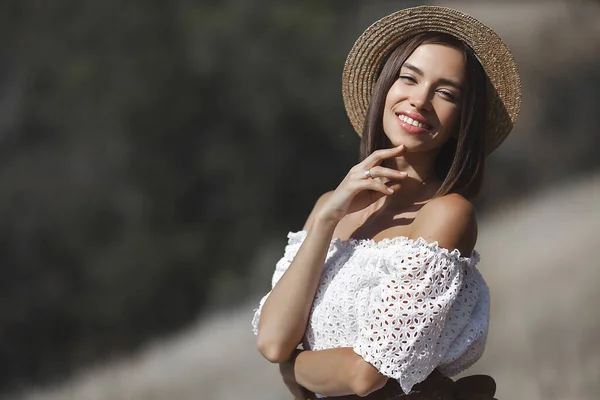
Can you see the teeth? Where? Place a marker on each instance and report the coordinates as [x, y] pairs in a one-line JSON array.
[[411, 121]]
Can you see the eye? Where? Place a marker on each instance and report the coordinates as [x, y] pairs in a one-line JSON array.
[[408, 79], [446, 94]]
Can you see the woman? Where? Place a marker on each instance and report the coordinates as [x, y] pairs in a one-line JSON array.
[[381, 285]]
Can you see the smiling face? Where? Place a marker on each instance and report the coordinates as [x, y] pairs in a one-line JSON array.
[[423, 107]]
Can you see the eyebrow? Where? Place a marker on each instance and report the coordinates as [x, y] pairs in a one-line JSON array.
[[446, 81]]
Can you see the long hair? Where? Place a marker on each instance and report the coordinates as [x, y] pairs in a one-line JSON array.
[[460, 162]]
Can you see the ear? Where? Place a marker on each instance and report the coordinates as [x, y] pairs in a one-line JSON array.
[[475, 387]]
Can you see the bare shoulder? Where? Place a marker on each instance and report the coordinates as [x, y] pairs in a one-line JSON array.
[[449, 220], [320, 201]]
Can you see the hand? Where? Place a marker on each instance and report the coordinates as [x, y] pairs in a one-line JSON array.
[[364, 184]]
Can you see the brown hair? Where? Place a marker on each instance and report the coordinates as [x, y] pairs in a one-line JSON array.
[[460, 162]]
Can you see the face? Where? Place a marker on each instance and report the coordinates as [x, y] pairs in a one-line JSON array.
[[422, 108]]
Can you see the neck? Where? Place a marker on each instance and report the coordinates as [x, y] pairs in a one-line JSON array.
[[421, 183]]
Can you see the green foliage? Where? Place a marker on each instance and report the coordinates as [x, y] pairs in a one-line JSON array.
[[148, 149]]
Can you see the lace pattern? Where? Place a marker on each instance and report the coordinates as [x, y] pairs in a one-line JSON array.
[[406, 306]]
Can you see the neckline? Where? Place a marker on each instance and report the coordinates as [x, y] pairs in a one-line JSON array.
[[385, 243]]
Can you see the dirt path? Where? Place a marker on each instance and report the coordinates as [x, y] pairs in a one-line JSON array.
[[541, 260]]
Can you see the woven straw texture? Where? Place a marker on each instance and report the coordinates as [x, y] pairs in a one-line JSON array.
[[369, 53]]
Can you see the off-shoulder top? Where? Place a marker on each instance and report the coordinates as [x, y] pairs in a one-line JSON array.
[[405, 306]]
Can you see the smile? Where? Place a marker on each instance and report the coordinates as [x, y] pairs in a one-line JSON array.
[[412, 122]]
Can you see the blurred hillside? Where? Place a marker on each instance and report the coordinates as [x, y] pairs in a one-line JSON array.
[[154, 154], [542, 343]]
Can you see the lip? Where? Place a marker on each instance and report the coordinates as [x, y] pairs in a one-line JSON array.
[[416, 116], [411, 128]]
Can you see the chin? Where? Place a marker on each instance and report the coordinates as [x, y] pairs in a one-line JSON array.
[[409, 142], [416, 143]]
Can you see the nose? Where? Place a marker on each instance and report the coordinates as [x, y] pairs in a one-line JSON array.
[[420, 98]]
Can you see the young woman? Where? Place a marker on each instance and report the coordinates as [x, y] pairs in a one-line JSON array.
[[381, 285]]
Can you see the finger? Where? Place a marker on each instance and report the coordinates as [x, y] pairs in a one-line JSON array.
[[395, 185], [384, 172], [378, 156], [372, 184]]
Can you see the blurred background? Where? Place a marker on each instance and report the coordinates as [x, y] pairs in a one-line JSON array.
[[155, 154]]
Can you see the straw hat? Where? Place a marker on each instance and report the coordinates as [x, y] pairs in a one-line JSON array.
[[369, 53]]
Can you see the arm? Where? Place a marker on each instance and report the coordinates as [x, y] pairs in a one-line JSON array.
[[449, 220], [285, 312], [289, 379], [333, 372], [293, 295]]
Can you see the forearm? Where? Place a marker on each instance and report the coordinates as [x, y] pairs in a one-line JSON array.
[[285, 313], [336, 372]]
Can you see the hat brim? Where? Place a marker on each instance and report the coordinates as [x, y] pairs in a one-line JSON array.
[[368, 55]]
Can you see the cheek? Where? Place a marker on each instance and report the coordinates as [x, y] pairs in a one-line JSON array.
[[389, 98], [394, 94], [451, 117]]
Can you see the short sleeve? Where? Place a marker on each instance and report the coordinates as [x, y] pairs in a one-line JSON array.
[[468, 346], [295, 240], [401, 325]]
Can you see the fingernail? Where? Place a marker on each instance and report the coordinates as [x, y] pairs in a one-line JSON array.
[[390, 190], [404, 173]]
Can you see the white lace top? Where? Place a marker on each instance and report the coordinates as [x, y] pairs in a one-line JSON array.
[[405, 306]]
